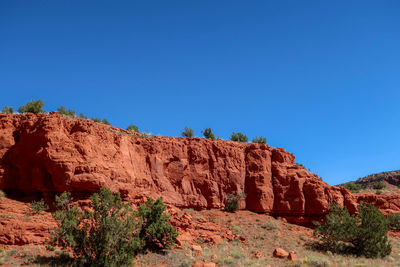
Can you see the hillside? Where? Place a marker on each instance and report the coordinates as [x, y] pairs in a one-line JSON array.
[[45, 154], [384, 182]]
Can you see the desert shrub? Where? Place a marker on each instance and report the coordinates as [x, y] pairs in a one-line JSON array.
[[66, 112], [188, 132], [2, 194], [232, 202], [365, 234], [259, 140], [301, 165], [378, 185], [394, 221], [105, 236], [132, 128], [239, 137], [104, 121], [378, 192], [208, 133], [155, 230], [7, 110], [82, 116], [111, 233], [32, 107], [38, 206], [353, 187]]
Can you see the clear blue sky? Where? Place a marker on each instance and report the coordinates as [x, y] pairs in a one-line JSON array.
[[319, 78]]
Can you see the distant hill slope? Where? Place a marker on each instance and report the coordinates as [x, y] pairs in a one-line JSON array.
[[383, 182], [391, 177]]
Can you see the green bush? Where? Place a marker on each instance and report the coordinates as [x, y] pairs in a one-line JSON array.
[[353, 187], [208, 134], [32, 107], [132, 128], [365, 234], [232, 202], [38, 206], [110, 233], [155, 230], [7, 110], [239, 137], [188, 132], [394, 221], [378, 192], [259, 140], [66, 112], [105, 121], [105, 236], [378, 185]]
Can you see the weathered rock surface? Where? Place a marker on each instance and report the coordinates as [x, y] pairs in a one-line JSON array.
[[44, 154]]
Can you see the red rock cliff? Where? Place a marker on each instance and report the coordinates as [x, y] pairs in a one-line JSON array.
[[48, 153]]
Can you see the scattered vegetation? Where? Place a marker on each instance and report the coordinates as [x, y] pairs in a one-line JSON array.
[[111, 233], [65, 112], [104, 121], [353, 187], [378, 185], [188, 132], [32, 107], [38, 206], [132, 128], [208, 134], [364, 234], [7, 110], [239, 137], [394, 221], [259, 140]]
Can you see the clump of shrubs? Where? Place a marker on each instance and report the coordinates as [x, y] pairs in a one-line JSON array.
[[188, 132], [239, 137], [66, 112], [32, 107], [104, 121], [394, 221], [208, 134], [38, 206], [7, 110], [353, 187], [259, 140], [110, 233], [132, 128], [363, 235], [378, 185]]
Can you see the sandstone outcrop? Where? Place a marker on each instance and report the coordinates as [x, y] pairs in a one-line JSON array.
[[45, 154]]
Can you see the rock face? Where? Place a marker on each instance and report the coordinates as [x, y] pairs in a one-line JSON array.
[[44, 154]]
